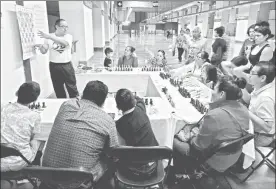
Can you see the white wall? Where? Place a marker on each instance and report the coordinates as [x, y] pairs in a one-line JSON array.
[[12, 70], [52, 20]]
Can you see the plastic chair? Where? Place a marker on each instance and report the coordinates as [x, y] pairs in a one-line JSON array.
[[6, 151], [265, 159], [61, 177], [129, 154]]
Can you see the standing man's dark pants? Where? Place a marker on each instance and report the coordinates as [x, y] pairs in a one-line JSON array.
[[63, 73], [180, 53]]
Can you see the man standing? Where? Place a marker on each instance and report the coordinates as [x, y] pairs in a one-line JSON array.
[[62, 72], [82, 134]]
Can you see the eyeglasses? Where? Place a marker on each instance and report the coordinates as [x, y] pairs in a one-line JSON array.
[[251, 73], [65, 27]]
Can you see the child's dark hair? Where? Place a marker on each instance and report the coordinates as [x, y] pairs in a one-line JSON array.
[[163, 52], [107, 51]]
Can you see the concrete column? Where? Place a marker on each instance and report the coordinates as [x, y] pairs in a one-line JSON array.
[[106, 23], [98, 26], [79, 19]]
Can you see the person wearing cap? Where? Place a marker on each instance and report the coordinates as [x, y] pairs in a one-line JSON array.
[[19, 124]]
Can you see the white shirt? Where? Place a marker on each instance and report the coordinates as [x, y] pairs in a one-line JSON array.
[[59, 53], [262, 104]]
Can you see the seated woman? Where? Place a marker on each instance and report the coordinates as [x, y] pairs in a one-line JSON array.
[[195, 68], [262, 103], [128, 59], [226, 120], [19, 124], [160, 60], [209, 76]]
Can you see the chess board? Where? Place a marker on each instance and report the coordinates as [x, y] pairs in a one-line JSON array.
[[25, 18]]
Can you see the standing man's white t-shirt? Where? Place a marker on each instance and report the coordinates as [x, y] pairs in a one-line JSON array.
[[59, 53]]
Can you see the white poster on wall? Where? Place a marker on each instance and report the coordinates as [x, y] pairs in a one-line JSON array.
[[25, 19]]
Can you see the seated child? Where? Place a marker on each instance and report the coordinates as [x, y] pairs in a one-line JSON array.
[[107, 61]]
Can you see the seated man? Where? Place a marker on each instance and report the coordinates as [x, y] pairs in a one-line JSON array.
[[82, 134], [226, 120], [262, 103], [135, 128], [19, 124]]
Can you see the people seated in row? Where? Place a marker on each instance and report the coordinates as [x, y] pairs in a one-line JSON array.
[[226, 120], [128, 59], [19, 124], [135, 128], [159, 60], [262, 103], [82, 135]]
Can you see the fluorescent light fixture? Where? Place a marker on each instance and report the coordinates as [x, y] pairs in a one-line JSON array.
[[125, 23]]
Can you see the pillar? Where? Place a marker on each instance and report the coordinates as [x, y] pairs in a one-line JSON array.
[[98, 26], [106, 23], [79, 19]]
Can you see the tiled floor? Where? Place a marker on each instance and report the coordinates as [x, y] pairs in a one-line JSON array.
[[263, 178]]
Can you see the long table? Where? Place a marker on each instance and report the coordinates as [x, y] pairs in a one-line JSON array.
[[165, 119]]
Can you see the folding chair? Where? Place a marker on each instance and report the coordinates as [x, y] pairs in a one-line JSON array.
[[6, 151], [225, 147], [57, 178], [129, 154], [265, 159]]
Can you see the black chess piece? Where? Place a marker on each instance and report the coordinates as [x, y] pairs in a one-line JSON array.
[[151, 102], [38, 105], [43, 105], [146, 101], [33, 105]]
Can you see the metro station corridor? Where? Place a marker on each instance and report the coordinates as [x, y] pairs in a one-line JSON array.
[[169, 94]]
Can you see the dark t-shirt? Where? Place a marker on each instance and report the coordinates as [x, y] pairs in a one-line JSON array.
[[135, 127], [107, 62]]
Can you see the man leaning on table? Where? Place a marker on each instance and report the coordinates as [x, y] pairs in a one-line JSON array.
[[226, 120], [82, 135], [135, 128]]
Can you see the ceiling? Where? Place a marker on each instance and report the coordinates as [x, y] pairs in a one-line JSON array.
[[163, 6]]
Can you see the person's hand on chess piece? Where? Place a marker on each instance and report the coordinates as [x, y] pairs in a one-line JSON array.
[[41, 34]]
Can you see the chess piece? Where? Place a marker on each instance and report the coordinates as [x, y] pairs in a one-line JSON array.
[[151, 102], [146, 101], [43, 105], [131, 69], [33, 105], [38, 106]]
